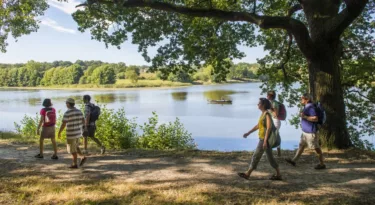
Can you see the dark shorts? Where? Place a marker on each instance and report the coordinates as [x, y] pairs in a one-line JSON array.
[[91, 131], [48, 132]]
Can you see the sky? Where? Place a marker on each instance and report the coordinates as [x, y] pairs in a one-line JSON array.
[[59, 39]]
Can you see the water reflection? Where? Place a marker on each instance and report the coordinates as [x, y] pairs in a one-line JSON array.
[[179, 96], [220, 94], [35, 101], [105, 98]]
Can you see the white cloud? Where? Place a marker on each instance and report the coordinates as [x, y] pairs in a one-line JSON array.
[[67, 7], [53, 24]]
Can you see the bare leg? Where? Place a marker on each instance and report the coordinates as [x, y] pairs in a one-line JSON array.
[[278, 151], [53, 140], [320, 154], [41, 145], [85, 143], [299, 152], [74, 159]]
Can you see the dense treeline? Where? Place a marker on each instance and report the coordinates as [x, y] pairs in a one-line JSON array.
[[33, 73]]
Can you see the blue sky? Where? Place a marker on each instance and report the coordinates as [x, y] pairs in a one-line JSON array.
[[59, 39]]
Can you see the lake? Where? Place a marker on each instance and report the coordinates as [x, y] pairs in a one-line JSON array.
[[213, 126]]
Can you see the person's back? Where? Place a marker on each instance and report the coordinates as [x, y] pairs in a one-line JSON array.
[[271, 96], [73, 118]]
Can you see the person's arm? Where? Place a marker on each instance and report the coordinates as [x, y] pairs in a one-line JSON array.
[[41, 121], [312, 118], [62, 127], [255, 128], [268, 130], [276, 110]]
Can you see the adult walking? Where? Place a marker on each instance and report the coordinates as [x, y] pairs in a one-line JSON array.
[[275, 107], [265, 127], [309, 137], [90, 125], [73, 120], [47, 123]]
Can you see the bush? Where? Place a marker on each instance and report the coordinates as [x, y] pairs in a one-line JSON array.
[[28, 126], [166, 136], [116, 131]]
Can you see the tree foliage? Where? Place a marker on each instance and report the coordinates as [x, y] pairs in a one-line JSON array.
[[331, 38], [19, 18]]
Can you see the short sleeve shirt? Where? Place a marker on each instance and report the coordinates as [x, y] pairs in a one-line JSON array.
[[307, 126], [43, 114], [73, 118]]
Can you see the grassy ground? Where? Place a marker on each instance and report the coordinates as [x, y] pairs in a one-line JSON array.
[[181, 177]]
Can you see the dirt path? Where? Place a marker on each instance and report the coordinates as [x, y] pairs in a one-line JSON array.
[[189, 177]]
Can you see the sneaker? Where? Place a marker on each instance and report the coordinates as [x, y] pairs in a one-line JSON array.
[[83, 160], [55, 157], [290, 161], [102, 150], [73, 167], [319, 166], [39, 156]]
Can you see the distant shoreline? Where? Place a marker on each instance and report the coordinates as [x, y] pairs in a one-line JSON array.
[[127, 86]]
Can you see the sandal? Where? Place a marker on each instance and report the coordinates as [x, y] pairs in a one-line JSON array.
[[275, 177], [243, 175], [39, 156], [319, 166]]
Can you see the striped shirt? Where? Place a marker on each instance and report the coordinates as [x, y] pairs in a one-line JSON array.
[[73, 118]]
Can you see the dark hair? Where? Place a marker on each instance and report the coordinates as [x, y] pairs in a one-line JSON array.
[[272, 94], [86, 98], [47, 102], [265, 103], [307, 97], [71, 104]]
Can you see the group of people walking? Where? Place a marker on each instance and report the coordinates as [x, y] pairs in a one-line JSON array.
[[271, 113], [77, 124], [270, 120]]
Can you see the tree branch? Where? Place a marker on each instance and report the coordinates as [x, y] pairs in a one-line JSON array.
[[338, 24], [296, 27]]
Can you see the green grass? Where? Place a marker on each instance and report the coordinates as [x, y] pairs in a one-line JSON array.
[[16, 138]]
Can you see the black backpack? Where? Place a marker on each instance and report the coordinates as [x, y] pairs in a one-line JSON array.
[[320, 113], [94, 112]]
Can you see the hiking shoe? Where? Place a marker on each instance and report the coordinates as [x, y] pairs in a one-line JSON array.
[[73, 167], [39, 156], [290, 161], [102, 150], [83, 160], [319, 166], [55, 157]]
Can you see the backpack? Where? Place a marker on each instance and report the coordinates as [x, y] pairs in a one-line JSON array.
[[94, 112], [282, 112], [320, 113], [50, 117], [274, 140]]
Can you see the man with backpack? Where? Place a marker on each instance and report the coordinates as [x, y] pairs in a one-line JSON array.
[[311, 116], [92, 113], [278, 113]]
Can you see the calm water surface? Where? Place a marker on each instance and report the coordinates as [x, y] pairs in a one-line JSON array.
[[213, 126]]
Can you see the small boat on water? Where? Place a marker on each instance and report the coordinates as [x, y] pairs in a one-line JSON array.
[[220, 101]]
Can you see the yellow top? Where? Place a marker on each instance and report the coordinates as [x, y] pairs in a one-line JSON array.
[[262, 126]]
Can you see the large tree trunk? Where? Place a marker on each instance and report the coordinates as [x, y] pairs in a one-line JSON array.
[[325, 86]]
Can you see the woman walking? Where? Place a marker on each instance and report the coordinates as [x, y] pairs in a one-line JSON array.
[[47, 122], [265, 127]]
